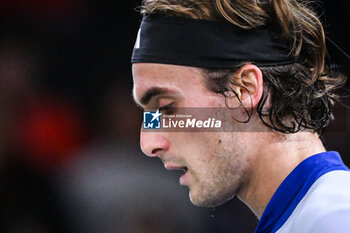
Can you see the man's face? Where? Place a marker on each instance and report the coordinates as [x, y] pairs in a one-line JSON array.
[[214, 163]]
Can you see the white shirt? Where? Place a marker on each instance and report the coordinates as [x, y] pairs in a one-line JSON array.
[[325, 208], [314, 198]]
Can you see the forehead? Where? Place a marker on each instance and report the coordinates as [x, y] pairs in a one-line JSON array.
[[181, 79]]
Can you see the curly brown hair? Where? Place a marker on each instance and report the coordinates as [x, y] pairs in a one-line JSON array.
[[302, 94]]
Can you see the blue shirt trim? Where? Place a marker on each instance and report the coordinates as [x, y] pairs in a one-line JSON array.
[[294, 188]]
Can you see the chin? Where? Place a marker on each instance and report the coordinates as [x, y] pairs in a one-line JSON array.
[[208, 200]]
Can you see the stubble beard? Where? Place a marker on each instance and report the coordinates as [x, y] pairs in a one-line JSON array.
[[223, 179], [221, 187]]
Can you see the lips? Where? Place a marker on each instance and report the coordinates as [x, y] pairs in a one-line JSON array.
[[176, 167]]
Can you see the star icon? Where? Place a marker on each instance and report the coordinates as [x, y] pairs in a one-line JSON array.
[[156, 115]]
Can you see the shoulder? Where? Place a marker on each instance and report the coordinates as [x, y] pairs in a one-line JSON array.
[[325, 208]]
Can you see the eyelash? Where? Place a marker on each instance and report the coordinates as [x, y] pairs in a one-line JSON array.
[[167, 108]]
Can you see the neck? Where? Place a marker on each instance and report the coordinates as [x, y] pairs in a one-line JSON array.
[[272, 164]]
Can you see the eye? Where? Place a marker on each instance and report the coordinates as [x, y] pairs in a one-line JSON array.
[[168, 109]]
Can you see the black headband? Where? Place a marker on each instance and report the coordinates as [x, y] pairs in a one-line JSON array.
[[208, 44]]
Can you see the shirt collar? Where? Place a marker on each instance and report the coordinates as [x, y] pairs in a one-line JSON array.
[[294, 188]]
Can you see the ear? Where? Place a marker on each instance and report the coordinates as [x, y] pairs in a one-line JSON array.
[[249, 88]]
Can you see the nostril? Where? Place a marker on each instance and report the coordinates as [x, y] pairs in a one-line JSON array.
[[154, 151]]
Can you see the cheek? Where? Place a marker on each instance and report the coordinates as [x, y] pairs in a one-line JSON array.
[[207, 154], [230, 150], [204, 152], [209, 146]]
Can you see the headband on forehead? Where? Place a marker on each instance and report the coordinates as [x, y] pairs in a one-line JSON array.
[[209, 44]]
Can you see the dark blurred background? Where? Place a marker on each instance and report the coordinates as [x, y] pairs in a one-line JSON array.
[[69, 148]]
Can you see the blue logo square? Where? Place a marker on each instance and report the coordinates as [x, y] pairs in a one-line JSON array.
[[151, 120]]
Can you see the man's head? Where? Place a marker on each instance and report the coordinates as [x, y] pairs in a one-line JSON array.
[[283, 97], [214, 163]]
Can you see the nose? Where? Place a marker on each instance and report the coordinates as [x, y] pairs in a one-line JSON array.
[[153, 144]]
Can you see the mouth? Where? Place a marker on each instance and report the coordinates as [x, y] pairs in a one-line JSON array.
[[178, 168], [175, 167]]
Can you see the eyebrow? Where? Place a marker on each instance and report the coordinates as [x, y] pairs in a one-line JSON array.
[[151, 93]]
